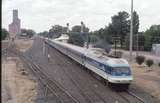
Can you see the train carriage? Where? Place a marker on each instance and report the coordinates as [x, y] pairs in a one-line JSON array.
[[113, 70]]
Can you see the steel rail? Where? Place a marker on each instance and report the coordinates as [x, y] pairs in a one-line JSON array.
[[124, 97], [49, 87], [58, 85], [128, 92], [34, 72], [45, 83], [134, 95], [75, 82]]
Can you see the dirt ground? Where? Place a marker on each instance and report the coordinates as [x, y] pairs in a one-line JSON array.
[[23, 44], [17, 85], [147, 78]]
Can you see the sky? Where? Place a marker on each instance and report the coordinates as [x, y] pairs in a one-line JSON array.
[[40, 15]]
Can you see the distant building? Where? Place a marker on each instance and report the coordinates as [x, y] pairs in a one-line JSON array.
[[156, 49], [15, 26]]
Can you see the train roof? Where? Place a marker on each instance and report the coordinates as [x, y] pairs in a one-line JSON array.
[[97, 54], [102, 57], [73, 47]]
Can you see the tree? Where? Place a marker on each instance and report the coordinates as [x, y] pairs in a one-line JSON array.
[[108, 32], [152, 36], [77, 29], [120, 25], [101, 33], [93, 38], [44, 33], [101, 39], [76, 39], [140, 41], [135, 32], [135, 23], [4, 34], [55, 31], [104, 34], [30, 33]]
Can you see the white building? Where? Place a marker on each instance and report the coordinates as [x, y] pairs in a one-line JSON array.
[[156, 49]]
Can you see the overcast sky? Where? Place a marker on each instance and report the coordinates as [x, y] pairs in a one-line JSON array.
[[41, 14]]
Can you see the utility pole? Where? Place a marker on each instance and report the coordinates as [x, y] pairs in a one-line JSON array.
[[48, 55], [83, 33], [131, 31], [115, 46], [137, 45], [82, 27], [67, 28], [87, 40], [44, 46]]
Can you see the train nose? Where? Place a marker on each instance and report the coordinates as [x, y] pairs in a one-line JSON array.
[[120, 80]]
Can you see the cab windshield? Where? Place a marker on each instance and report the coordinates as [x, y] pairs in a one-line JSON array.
[[120, 71]]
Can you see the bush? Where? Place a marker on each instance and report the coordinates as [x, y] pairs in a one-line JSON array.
[[76, 39], [4, 34], [140, 59], [149, 62]]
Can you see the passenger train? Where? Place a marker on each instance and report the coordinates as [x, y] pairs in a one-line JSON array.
[[114, 71]]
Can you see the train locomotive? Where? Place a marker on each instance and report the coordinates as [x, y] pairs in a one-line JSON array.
[[114, 71]]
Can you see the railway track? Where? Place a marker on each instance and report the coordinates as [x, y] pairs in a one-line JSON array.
[[82, 92], [137, 97], [133, 97], [88, 96], [61, 94]]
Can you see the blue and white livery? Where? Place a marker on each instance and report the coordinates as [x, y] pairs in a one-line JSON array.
[[112, 70]]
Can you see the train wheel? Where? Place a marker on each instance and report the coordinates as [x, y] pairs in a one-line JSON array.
[[108, 84], [105, 82], [85, 68], [126, 86]]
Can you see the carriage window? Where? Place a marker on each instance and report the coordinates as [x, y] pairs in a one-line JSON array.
[[102, 67], [118, 71], [108, 69]]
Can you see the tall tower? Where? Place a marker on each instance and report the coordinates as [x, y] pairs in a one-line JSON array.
[[15, 15], [15, 26], [82, 27], [67, 27]]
